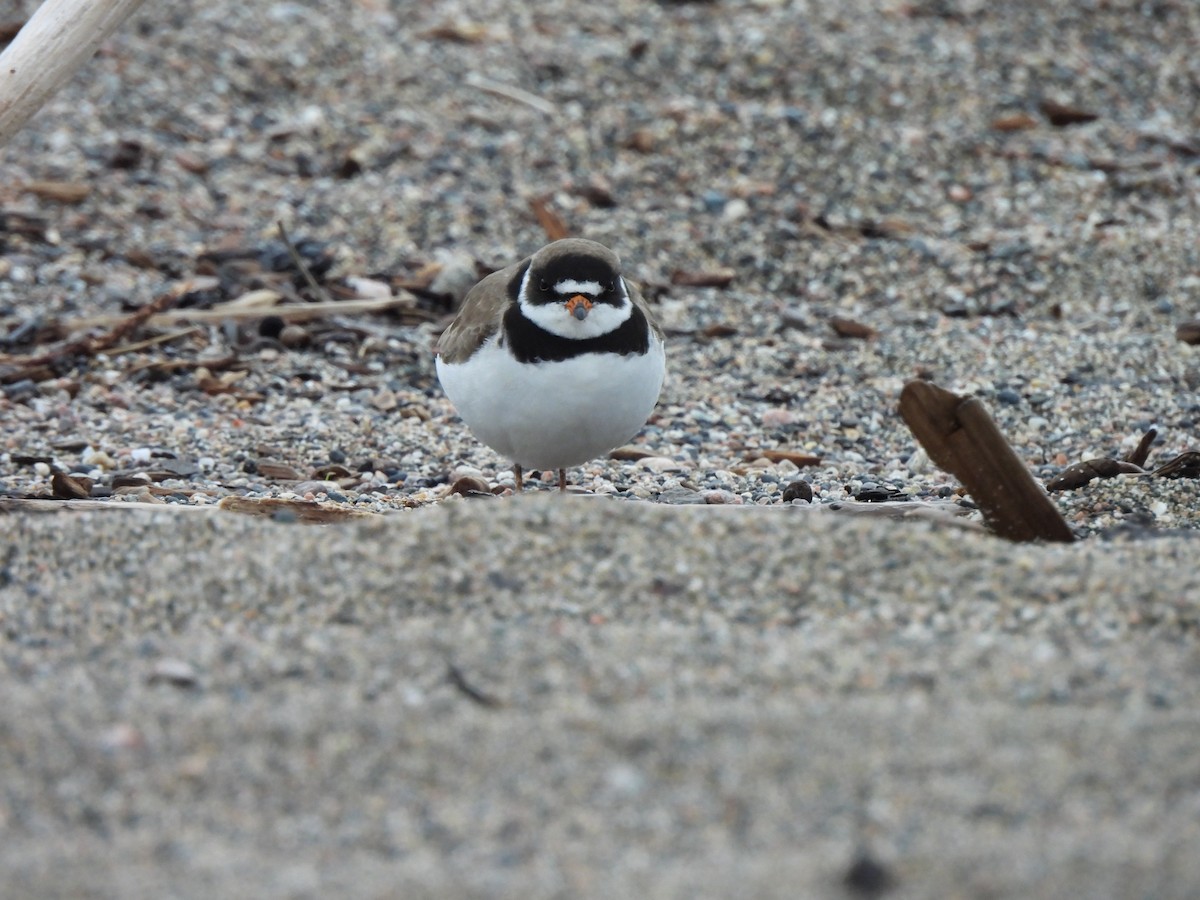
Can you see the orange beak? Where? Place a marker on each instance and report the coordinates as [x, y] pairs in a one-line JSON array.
[[579, 306]]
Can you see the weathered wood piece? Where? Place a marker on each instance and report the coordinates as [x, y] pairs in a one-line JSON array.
[[960, 437]]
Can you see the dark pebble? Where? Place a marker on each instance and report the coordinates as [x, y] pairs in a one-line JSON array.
[[714, 201], [419, 483], [271, 326], [20, 390], [1008, 396], [337, 457], [470, 486], [798, 490], [868, 877], [878, 495]]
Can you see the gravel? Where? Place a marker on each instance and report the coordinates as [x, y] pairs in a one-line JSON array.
[[654, 695]]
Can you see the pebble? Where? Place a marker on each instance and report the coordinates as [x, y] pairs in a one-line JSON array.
[[174, 672], [97, 459], [660, 464], [798, 490]]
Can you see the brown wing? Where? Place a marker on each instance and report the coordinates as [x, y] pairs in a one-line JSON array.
[[480, 316], [635, 296]]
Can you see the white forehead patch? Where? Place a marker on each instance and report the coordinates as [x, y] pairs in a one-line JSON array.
[[553, 317], [571, 286]]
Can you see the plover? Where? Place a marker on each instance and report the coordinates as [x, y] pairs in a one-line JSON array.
[[555, 360]]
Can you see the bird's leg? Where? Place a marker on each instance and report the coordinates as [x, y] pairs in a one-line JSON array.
[[562, 479], [519, 479]]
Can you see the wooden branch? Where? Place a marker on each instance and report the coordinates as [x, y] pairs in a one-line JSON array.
[[15, 505], [59, 38], [229, 312], [960, 436]]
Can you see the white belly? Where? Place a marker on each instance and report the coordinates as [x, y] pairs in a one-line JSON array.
[[553, 415]]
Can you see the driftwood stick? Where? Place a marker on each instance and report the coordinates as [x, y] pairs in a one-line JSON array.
[[289, 312], [960, 437], [59, 38]]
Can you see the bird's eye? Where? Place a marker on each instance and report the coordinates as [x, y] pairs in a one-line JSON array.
[[544, 286], [610, 287]]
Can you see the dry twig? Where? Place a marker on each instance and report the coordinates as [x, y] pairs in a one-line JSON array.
[[15, 368], [300, 264]]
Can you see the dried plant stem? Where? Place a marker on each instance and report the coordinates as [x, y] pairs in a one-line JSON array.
[[300, 264]]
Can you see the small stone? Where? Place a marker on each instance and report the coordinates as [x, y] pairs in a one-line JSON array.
[[1188, 332], [121, 737], [777, 416], [851, 328], [70, 487], [660, 464], [415, 411], [19, 391], [130, 479], [868, 877], [277, 471], [315, 486], [721, 497], [735, 209], [293, 335], [97, 459], [798, 490], [384, 400], [1008, 396], [785, 467], [714, 201], [369, 288], [630, 453], [680, 496], [471, 486], [174, 672]]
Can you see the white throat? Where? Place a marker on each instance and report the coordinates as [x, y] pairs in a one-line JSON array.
[[555, 318]]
